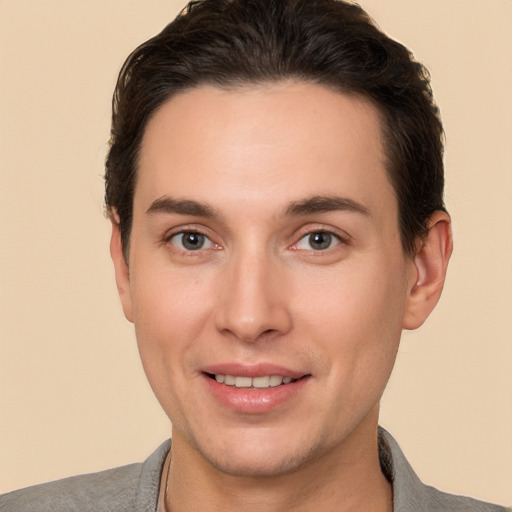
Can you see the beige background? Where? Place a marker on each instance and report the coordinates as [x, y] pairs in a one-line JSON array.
[[73, 397]]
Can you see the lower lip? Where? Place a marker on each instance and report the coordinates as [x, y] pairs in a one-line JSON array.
[[254, 400]]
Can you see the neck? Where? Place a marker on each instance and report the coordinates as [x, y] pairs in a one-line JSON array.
[[346, 479]]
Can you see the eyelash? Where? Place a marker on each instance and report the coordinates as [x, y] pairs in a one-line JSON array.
[[328, 235], [332, 240], [180, 235]]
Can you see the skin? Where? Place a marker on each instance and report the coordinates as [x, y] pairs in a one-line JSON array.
[[259, 291]]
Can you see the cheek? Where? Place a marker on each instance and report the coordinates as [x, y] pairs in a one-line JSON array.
[[167, 300], [355, 316], [170, 312], [363, 298]]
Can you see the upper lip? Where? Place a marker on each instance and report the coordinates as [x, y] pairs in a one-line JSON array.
[[252, 370]]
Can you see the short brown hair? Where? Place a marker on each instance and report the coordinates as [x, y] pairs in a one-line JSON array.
[[241, 42]]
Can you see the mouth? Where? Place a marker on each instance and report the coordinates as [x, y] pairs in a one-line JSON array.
[[254, 389], [259, 382]]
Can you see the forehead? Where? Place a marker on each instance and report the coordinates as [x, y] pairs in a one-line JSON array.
[[262, 142]]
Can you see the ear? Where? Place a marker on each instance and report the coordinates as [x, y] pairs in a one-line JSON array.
[[429, 264], [121, 267]]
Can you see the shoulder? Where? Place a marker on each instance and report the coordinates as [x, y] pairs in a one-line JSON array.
[[411, 494], [440, 502], [133, 487], [106, 490]]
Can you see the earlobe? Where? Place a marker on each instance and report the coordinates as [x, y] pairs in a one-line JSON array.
[[430, 264], [121, 268]]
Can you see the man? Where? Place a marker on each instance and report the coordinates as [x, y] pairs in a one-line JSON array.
[[275, 185]]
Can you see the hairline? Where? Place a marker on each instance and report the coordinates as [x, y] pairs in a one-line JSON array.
[[234, 84]]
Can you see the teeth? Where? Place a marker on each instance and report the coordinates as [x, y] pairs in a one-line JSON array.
[[229, 380], [263, 382], [243, 382], [275, 380]]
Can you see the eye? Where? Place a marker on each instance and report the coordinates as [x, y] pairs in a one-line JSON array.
[[318, 241], [191, 241]]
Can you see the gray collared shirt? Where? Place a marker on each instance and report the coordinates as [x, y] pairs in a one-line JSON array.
[[135, 488]]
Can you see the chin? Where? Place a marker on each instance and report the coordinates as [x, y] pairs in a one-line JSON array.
[[260, 460], [259, 467]]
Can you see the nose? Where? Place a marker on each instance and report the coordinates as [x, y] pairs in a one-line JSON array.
[[253, 299]]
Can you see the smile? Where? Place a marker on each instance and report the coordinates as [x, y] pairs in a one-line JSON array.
[[263, 382], [254, 390]]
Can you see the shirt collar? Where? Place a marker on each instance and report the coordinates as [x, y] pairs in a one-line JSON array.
[[408, 490]]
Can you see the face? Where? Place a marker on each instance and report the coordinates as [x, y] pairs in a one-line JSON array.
[[266, 281]]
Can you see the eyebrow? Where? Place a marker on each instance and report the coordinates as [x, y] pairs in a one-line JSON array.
[[166, 204], [308, 206], [324, 204]]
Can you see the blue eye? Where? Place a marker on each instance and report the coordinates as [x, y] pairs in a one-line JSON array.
[[191, 241], [318, 241]]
